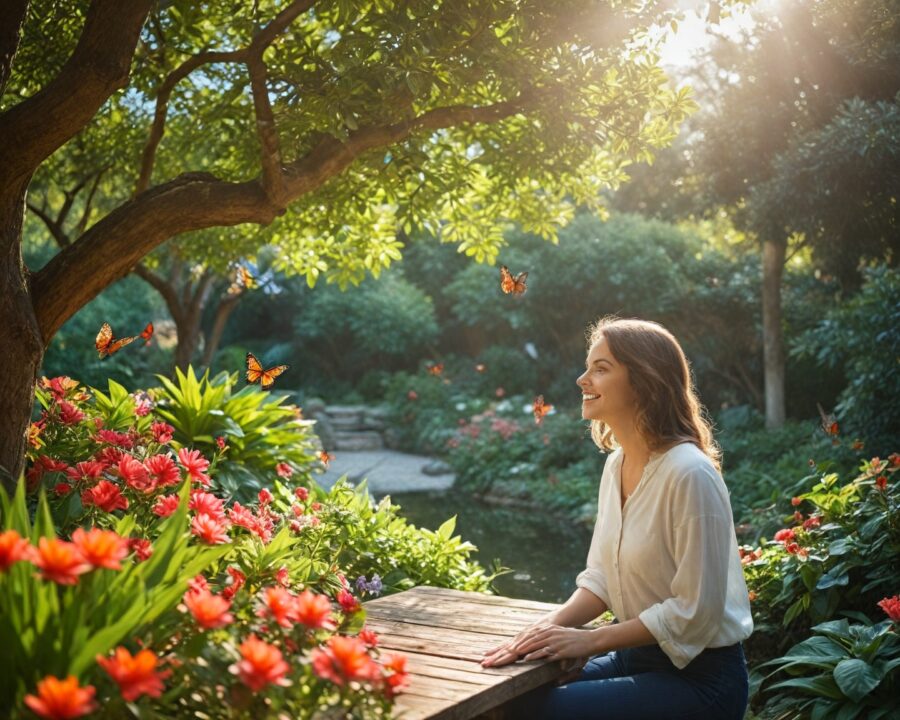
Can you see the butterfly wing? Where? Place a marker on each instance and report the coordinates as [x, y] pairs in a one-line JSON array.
[[254, 369], [268, 376], [104, 338], [507, 283], [147, 333], [519, 285], [540, 408], [117, 345]]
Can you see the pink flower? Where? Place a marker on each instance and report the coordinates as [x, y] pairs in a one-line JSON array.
[[141, 548], [111, 437], [162, 432], [812, 521], [208, 504], [265, 497], [109, 456], [284, 470], [105, 496], [237, 582], [135, 474], [195, 464], [891, 605], [347, 601], [301, 493], [162, 470], [69, 414], [165, 505], [213, 531], [784, 535], [90, 470], [282, 576], [220, 441]]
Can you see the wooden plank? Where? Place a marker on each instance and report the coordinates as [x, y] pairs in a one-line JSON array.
[[463, 631], [430, 590], [459, 612]]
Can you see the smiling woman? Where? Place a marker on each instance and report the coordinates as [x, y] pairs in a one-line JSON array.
[[663, 556]]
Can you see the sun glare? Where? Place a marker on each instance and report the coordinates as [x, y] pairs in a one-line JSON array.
[[680, 47]]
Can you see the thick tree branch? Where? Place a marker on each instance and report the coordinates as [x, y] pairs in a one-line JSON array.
[[115, 244], [12, 15], [260, 42], [272, 176], [55, 230], [36, 127]]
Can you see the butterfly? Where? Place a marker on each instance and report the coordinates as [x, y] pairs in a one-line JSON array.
[[540, 408], [243, 280], [107, 345], [829, 423], [256, 373], [325, 457], [147, 333], [435, 368], [512, 284]]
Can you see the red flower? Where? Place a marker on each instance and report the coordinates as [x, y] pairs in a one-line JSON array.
[[278, 604], [13, 548], [301, 494], [344, 658], [812, 521], [213, 531], [101, 548], [109, 456], [210, 611], [104, 495], [204, 503], [163, 470], [347, 601], [284, 470], [61, 699], [891, 606], [62, 489], [798, 516], [795, 501], [313, 611], [881, 482], [162, 432], [111, 437], [49, 464], [261, 664], [237, 582], [395, 676], [135, 474], [135, 675], [141, 548], [195, 464], [369, 637], [282, 576], [242, 517], [165, 505], [69, 414], [265, 497], [784, 535], [59, 386], [197, 583], [59, 561], [90, 470], [220, 441]]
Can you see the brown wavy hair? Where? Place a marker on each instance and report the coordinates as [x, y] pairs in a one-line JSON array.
[[668, 409]]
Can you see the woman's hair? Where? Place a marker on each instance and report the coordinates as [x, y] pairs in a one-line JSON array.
[[668, 410]]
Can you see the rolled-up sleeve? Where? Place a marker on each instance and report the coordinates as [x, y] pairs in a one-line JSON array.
[[684, 623], [593, 577]]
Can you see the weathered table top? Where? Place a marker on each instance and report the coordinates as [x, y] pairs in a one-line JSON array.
[[443, 634]]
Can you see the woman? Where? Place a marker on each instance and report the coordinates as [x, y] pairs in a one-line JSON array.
[[663, 556]]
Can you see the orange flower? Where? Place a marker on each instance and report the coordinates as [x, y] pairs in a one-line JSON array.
[[396, 678], [313, 610], [13, 548], [261, 664], [752, 595], [135, 675], [344, 658], [279, 604], [210, 611], [61, 699], [59, 561], [101, 548]]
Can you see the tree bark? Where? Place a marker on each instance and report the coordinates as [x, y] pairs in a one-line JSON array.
[[774, 252], [21, 345], [227, 304]]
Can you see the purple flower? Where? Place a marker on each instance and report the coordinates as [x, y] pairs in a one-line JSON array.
[[375, 586], [361, 584]]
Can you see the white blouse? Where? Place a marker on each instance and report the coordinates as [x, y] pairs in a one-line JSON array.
[[675, 543]]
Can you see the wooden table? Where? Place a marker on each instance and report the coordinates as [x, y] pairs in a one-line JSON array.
[[443, 634]]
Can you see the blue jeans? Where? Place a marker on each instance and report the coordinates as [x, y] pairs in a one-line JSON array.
[[642, 684]]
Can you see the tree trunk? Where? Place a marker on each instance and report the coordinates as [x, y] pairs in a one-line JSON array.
[[774, 252], [227, 304], [21, 346]]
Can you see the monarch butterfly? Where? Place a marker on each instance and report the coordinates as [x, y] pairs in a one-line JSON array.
[[243, 280], [325, 457], [512, 284], [435, 368], [540, 408], [147, 333], [829, 423], [256, 373], [107, 345]]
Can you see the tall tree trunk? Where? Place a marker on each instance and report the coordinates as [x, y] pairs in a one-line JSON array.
[[227, 304], [774, 252], [21, 345]]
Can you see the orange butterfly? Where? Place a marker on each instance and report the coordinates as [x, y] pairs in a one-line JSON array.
[[147, 333], [256, 373], [325, 457], [829, 423], [510, 284], [540, 408], [243, 280], [435, 368], [105, 343]]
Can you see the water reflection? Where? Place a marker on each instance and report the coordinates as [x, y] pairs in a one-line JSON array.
[[544, 551]]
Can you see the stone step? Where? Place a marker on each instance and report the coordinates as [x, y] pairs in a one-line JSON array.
[[355, 441], [346, 412], [347, 423]]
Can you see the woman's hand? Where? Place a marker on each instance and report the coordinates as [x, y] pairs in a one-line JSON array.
[[553, 642], [508, 652]]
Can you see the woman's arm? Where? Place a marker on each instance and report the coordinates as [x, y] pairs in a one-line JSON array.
[[582, 607]]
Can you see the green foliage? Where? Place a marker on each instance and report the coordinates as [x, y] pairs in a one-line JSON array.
[[862, 338], [259, 429]]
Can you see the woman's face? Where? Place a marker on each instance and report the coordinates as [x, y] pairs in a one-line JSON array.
[[606, 392]]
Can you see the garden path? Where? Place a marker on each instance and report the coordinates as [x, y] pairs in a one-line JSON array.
[[387, 471]]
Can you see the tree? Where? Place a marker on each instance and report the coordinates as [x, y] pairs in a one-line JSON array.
[[329, 124]]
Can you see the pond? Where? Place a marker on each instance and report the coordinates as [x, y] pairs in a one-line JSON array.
[[545, 552]]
